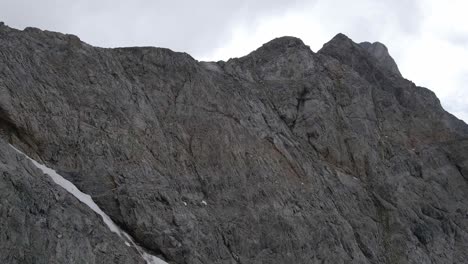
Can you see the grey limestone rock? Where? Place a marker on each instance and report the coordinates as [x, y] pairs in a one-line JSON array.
[[42, 223], [380, 52], [282, 156]]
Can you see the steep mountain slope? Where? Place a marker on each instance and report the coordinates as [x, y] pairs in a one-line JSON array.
[[41, 223], [284, 155]]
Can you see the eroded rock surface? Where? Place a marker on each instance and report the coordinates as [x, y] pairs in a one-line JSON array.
[[42, 223], [380, 52], [281, 156]]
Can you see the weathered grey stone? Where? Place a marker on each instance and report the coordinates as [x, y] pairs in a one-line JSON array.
[[380, 52], [284, 155], [42, 223]]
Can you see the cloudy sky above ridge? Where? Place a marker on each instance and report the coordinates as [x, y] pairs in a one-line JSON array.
[[427, 38]]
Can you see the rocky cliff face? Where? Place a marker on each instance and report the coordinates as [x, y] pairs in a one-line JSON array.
[[281, 156]]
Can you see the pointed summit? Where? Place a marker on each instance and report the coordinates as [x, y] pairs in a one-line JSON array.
[[284, 42], [277, 47], [340, 40], [341, 47], [361, 57], [281, 45], [281, 58]]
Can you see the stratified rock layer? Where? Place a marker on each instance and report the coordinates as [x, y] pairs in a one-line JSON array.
[[281, 156]]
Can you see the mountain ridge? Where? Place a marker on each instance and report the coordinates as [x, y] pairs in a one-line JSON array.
[[282, 155]]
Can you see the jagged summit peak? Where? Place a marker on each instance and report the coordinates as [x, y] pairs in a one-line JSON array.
[[340, 39], [281, 58], [281, 45], [340, 36], [285, 41], [349, 52]]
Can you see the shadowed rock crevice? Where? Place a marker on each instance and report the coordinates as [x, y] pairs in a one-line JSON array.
[[11, 133]]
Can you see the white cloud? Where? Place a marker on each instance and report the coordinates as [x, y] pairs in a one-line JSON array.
[[437, 56]]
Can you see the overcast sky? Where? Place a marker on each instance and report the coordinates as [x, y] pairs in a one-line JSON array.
[[427, 38]]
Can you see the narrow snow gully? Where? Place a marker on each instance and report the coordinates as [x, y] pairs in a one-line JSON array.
[[87, 200]]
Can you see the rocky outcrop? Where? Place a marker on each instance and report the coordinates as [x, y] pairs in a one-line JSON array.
[[284, 155], [380, 52]]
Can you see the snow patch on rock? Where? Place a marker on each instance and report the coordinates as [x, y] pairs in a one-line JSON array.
[[87, 200]]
